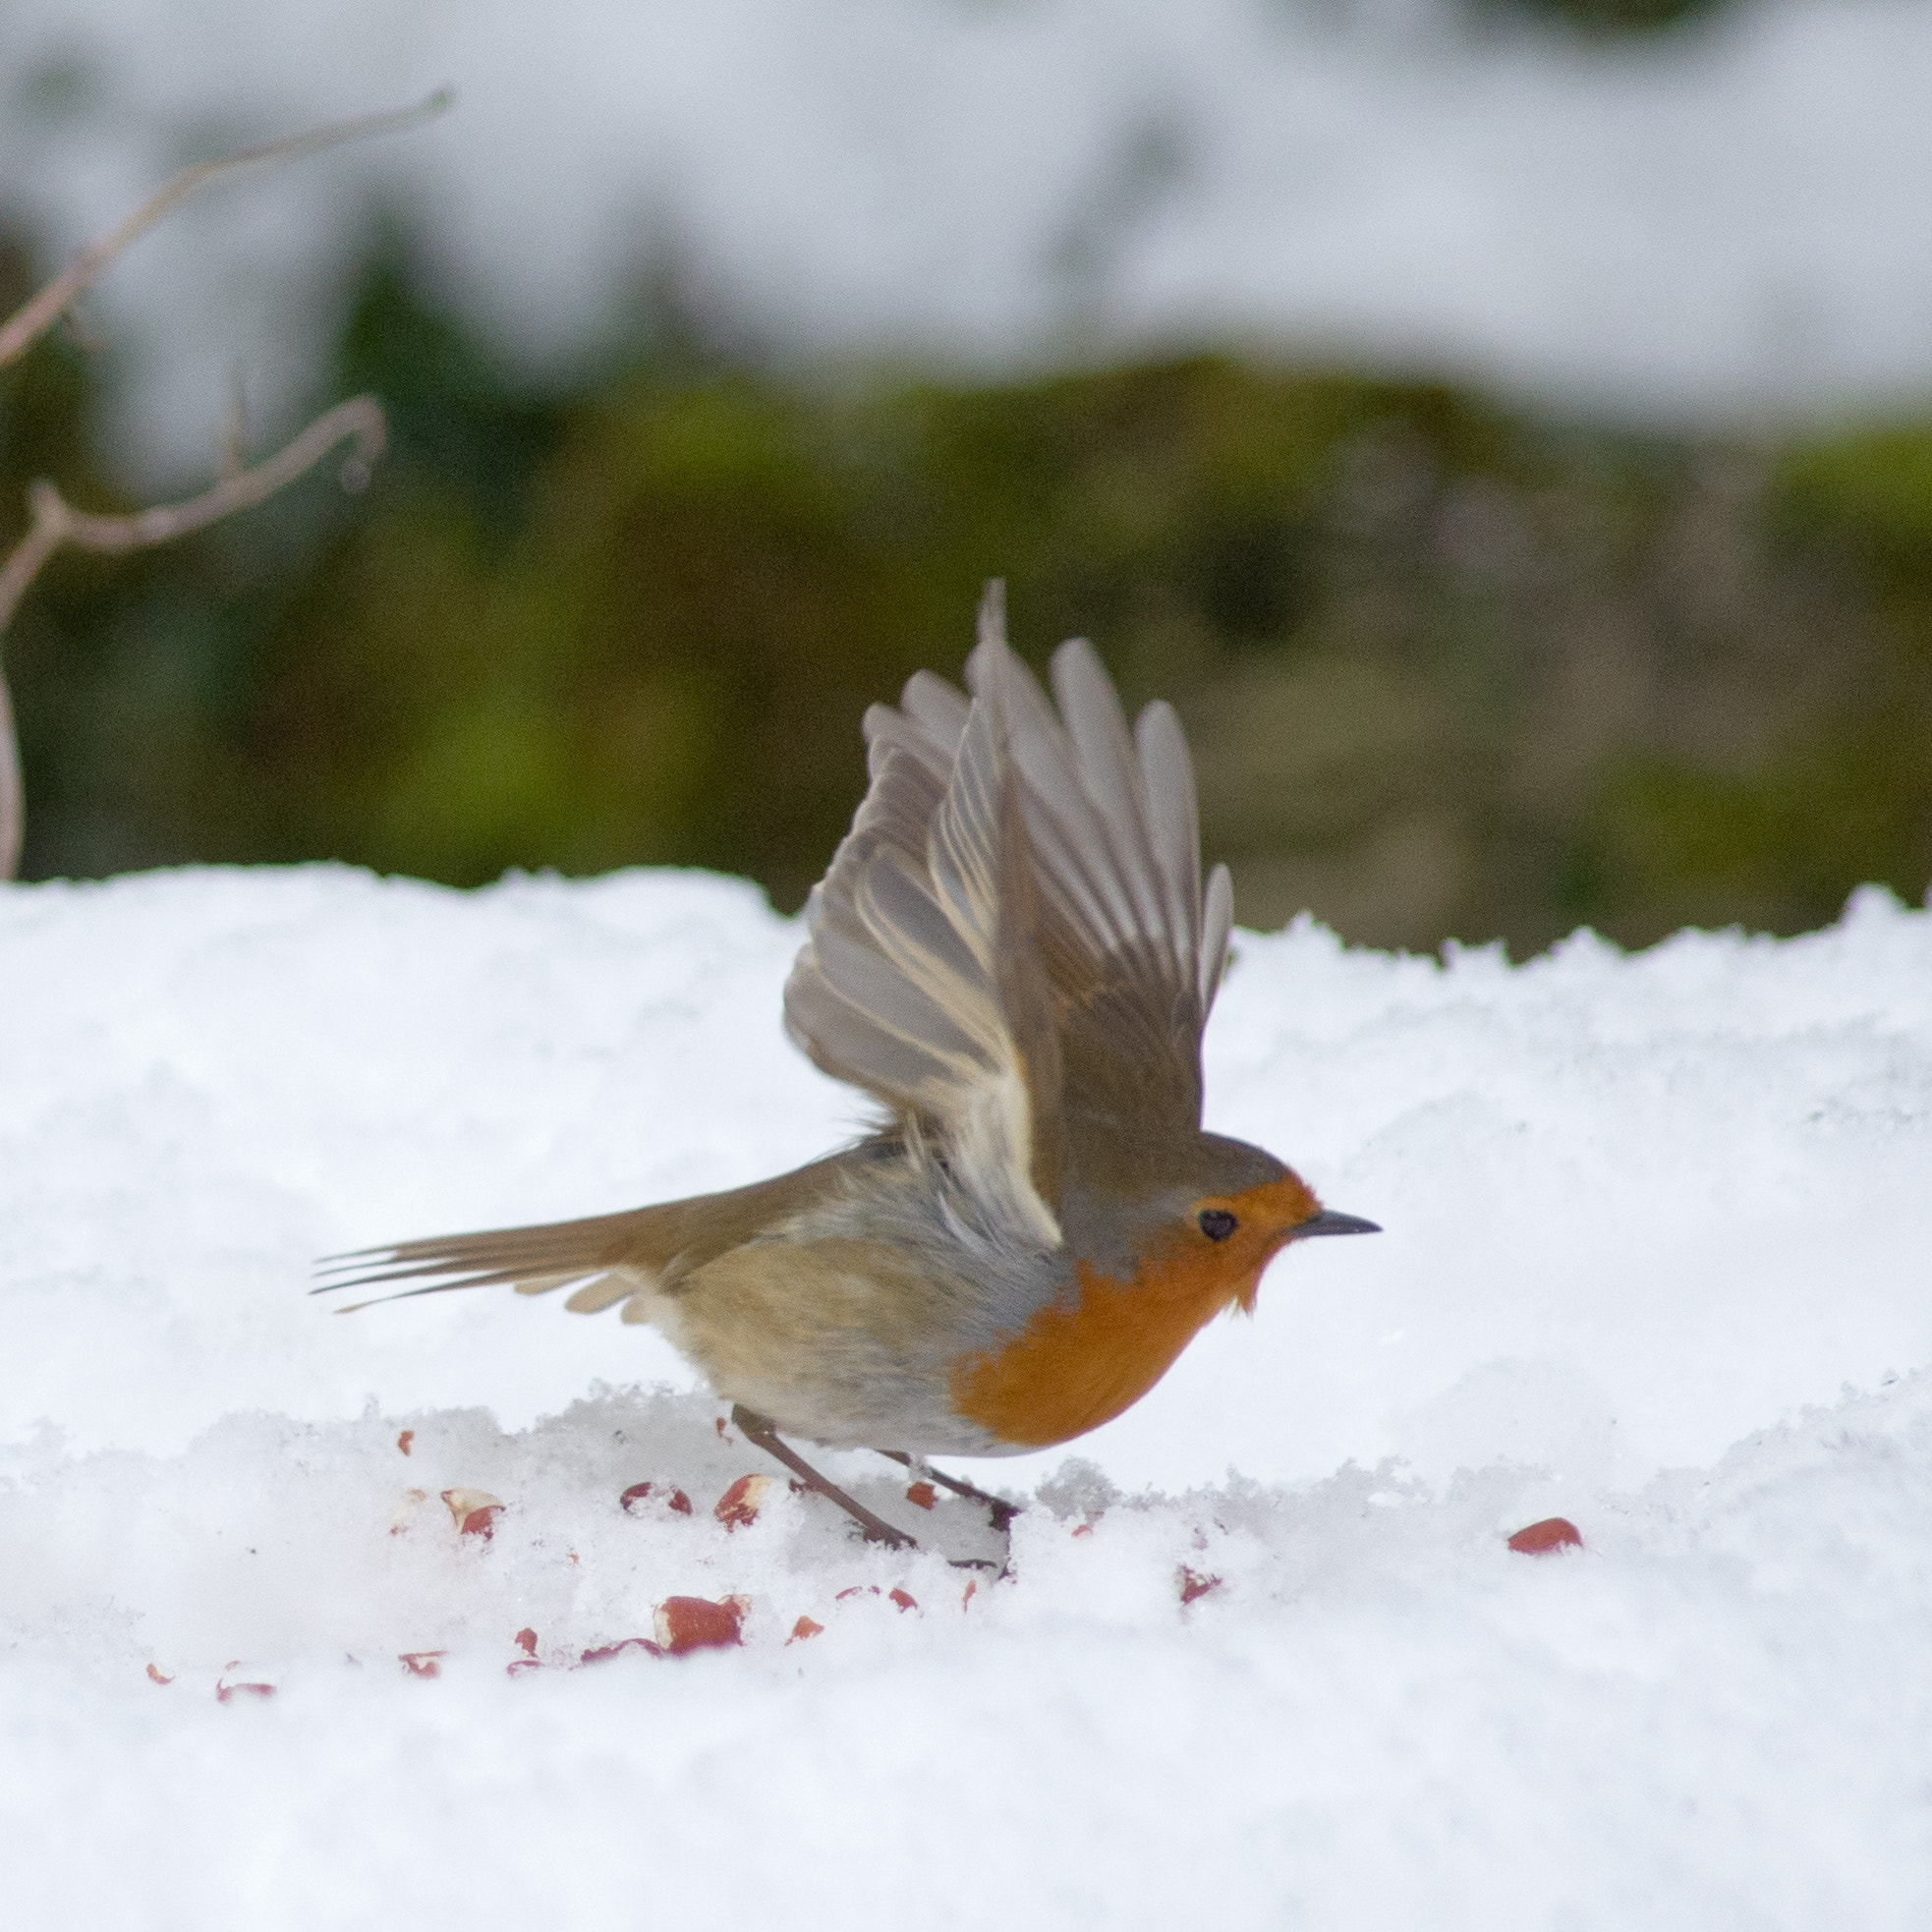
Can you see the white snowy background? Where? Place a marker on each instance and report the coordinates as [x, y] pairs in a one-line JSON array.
[[1655, 1260], [1658, 1226], [1725, 225]]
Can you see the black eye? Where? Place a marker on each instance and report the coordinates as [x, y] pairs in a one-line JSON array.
[[1216, 1224]]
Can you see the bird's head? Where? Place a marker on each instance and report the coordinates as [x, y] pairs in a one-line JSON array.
[[1217, 1214]]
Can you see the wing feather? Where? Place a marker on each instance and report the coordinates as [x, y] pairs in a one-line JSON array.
[[1110, 774], [1013, 934], [1169, 774], [1078, 874], [1216, 923], [936, 708], [907, 985]]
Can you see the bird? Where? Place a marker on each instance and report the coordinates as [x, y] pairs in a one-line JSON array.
[[1013, 956]]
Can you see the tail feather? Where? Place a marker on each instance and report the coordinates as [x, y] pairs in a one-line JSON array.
[[629, 1257], [601, 1253]]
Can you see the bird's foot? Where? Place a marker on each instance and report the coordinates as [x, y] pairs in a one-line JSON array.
[[759, 1429], [1002, 1512]]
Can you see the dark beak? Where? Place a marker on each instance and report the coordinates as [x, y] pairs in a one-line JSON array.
[[1328, 1222]]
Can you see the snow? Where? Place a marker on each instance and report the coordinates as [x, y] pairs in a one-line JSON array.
[[1723, 225], [1654, 1262]]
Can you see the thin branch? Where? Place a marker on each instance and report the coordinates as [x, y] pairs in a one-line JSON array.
[[54, 522], [36, 316], [12, 807]]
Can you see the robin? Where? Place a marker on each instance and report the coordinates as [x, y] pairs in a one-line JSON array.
[[1013, 958]]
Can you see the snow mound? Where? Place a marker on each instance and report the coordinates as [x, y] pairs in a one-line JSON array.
[[463, 1607]]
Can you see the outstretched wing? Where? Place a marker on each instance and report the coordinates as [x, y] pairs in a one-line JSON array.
[[1011, 947], [921, 978]]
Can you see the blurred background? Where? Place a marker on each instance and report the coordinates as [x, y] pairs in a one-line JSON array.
[[1502, 427]]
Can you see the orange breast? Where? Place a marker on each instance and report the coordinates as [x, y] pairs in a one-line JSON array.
[[1071, 1368]]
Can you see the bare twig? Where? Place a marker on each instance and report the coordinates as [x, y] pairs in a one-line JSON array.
[[11, 793], [36, 316], [54, 522]]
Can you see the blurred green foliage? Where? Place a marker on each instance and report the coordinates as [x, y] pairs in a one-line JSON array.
[[1602, 19], [1449, 670]]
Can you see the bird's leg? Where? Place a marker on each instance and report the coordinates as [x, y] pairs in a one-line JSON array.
[[1002, 1512], [759, 1429]]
